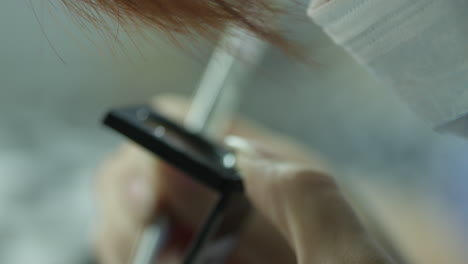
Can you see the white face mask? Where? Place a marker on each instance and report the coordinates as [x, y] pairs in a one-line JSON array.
[[418, 48]]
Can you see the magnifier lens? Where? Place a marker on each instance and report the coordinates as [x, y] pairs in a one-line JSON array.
[[205, 162]]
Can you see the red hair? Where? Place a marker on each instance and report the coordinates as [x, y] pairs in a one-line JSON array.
[[204, 18]]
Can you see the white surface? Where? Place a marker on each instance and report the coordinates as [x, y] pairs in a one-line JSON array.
[[417, 47]]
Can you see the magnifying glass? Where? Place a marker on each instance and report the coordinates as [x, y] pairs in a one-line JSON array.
[[187, 148], [209, 164]]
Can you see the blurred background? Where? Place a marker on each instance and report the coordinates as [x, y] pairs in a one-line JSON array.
[[58, 78]]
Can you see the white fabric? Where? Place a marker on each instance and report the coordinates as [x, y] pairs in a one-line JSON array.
[[418, 47]]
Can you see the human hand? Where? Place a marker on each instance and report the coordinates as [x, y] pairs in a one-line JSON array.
[[301, 215]]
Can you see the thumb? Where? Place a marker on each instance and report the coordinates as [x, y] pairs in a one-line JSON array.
[[301, 200]]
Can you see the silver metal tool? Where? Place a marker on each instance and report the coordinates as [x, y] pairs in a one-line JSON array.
[[214, 102]]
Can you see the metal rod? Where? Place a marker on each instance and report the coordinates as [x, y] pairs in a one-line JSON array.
[[217, 96], [152, 242]]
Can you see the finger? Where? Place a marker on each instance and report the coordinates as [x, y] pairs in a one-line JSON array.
[[261, 242], [267, 142], [126, 194], [304, 203]]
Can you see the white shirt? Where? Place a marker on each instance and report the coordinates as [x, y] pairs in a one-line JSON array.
[[417, 47]]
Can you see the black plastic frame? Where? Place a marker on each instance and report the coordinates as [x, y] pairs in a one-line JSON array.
[[211, 172]]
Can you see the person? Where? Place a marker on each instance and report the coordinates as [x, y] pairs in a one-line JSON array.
[[417, 47]]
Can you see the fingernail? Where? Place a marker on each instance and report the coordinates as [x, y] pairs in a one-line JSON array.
[[238, 144], [253, 149], [248, 157]]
